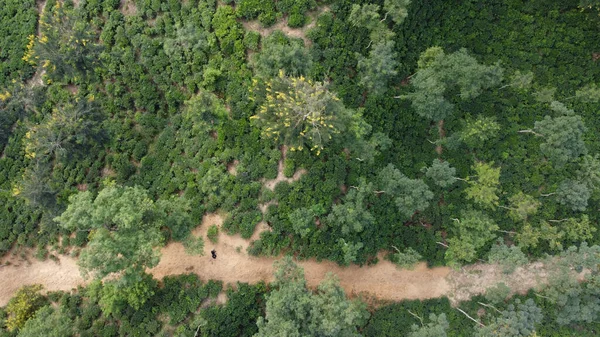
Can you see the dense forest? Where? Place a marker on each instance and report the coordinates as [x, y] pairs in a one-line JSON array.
[[448, 132]]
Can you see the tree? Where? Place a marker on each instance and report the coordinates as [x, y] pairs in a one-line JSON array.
[[519, 80], [378, 68], [590, 93], [71, 128], [508, 257], [409, 195], [278, 52], [23, 306], [303, 219], [301, 113], [125, 228], [573, 194], [522, 206], [518, 320], [575, 301], [65, 47], [397, 9], [570, 229], [441, 173], [589, 172], [292, 310], [406, 259], [352, 216], [435, 328], [48, 322], [472, 231], [562, 138], [479, 130], [439, 73], [483, 191]]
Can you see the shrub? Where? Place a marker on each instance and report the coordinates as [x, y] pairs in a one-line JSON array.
[[213, 233]]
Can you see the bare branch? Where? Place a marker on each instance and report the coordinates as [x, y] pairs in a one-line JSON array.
[[471, 318]]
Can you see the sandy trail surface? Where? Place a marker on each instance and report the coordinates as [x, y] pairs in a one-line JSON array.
[[233, 264]]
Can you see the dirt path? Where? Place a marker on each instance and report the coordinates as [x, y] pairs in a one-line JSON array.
[[282, 25], [383, 281]]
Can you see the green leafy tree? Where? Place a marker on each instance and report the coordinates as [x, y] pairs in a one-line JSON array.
[[590, 93], [518, 320], [406, 259], [441, 173], [522, 206], [477, 131], [124, 227], [292, 310], [378, 68], [71, 128], [573, 194], [396, 9], [439, 73], [23, 306], [575, 301], [303, 219], [301, 113], [436, 327], [508, 257], [48, 322], [484, 190], [280, 53], [555, 232], [562, 138], [589, 172], [349, 251], [409, 195], [352, 216], [519, 80], [471, 231], [66, 46]]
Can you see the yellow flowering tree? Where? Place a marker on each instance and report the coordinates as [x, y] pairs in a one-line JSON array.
[[299, 112], [63, 47]]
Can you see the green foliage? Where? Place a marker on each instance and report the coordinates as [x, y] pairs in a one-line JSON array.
[[301, 113], [518, 320], [352, 216], [19, 22], [213, 233], [441, 173], [47, 322], [563, 138], [484, 190], [303, 220], [439, 73], [409, 195], [278, 53], [435, 328], [23, 306], [378, 68], [497, 294], [508, 257], [477, 131], [293, 310], [406, 259], [573, 194], [472, 231], [522, 206], [124, 226]]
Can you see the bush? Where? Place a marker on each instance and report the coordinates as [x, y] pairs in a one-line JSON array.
[[296, 20], [213, 233]]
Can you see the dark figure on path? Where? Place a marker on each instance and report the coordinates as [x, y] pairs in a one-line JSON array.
[[213, 253]]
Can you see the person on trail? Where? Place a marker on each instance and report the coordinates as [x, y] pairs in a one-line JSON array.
[[213, 253]]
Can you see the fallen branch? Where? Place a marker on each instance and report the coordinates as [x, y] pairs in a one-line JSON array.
[[471, 318], [415, 315], [490, 306]]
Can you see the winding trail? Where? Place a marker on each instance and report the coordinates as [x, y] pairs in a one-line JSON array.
[[382, 281]]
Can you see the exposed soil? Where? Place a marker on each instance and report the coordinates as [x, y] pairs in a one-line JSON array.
[[382, 281], [128, 7], [282, 25], [442, 134]]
